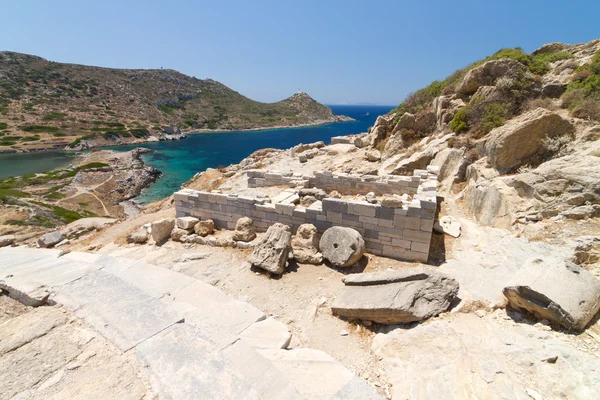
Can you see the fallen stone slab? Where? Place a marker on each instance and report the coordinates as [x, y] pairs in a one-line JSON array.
[[139, 236], [394, 297], [187, 223], [267, 334], [342, 246], [448, 225], [183, 364], [356, 389], [557, 290], [119, 311]]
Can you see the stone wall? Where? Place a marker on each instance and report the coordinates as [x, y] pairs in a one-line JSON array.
[[401, 233]]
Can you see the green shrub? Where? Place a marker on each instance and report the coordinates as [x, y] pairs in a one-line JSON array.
[[54, 116], [55, 196], [38, 128], [459, 122], [139, 132], [30, 138], [494, 115], [3, 125], [4, 193], [59, 134], [588, 109]]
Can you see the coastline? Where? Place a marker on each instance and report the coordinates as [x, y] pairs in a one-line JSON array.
[[56, 148]]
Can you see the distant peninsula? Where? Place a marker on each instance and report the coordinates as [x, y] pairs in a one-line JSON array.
[[47, 105]]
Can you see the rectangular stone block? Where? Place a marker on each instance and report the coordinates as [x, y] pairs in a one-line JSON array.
[[426, 225], [335, 205], [368, 220], [403, 243], [385, 212], [363, 209], [416, 236], [284, 209], [420, 247], [407, 222], [321, 217], [385, 223], [334, 217]]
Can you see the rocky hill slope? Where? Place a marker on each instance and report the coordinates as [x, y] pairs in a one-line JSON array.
[[48, 104], [517, 135]]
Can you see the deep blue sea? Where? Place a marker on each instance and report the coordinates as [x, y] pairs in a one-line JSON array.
[[179, 160]]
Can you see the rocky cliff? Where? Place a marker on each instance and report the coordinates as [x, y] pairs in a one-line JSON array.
[[45, 104]]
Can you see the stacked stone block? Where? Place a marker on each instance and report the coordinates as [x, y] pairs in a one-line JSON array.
[[401, 233]]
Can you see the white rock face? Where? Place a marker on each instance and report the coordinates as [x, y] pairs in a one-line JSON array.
[[556, 290]]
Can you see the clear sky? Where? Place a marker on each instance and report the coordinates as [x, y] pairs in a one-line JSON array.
[[337, 51]]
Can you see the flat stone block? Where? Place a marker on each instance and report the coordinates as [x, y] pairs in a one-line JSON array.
[[363, 209], [403, 243], [420, 247], [184, 364], [427, 225], [334, 217], [407, 222], [267, 334], [416, 236], [119, 311], [335, 205]]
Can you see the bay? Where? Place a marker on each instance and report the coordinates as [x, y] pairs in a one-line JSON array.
[[181, 159]]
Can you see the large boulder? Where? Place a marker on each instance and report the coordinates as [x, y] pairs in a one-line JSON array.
[[50, 239], [373, 155], [342, 246], [244, 230], [557, 290], [160, 230], [273, 249], [488, 73], [406, 121], [394, 297], [453, 165], [177, 234], [305, 245], [379, 131], [205, 227], [513, 144]]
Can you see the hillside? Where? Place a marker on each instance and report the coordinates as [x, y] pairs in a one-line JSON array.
[[48, 104]]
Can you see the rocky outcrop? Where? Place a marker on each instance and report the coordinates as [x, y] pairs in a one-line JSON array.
[[379, 131], [305, 245], [50, 239], [556, 290], [394, 297], [373, 155], [273, 249], [244, 230], [487, 73], [160, 230], [453, 166], [342, 246], [513, 144]]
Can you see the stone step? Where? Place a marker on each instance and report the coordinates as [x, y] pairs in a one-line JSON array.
[[220, 317], [28, 275], [183, 364], [119, 311], [316, 375]]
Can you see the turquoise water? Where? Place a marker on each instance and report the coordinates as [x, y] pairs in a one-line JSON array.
[[30, 163], [179, 160]]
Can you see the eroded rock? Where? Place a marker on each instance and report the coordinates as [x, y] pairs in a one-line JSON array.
[[556, 290], [272, 250], [50, 239], [7, 240], [448, 225], [139, 236], [305, 245], [187, 223], [244, 230], [205, 227], [160, 230]]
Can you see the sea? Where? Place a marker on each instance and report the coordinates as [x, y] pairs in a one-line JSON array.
[[180, 160]]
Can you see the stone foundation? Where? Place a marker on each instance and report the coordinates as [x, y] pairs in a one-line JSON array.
[[401, 233]]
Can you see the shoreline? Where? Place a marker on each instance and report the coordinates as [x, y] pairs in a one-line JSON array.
[[184, 132]]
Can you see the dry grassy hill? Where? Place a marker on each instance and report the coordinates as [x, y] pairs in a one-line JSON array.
[[50, 104]]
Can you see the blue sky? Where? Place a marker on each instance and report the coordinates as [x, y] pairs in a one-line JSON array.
[[337, 51]]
